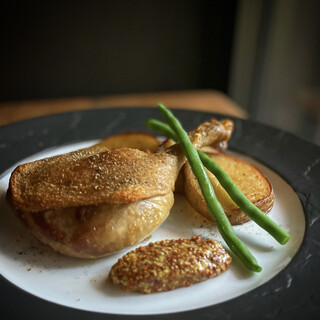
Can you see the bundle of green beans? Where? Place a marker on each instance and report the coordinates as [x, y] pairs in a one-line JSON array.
[[197, 160]]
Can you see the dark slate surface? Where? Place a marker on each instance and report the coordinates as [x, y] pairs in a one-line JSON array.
[[293, 294]]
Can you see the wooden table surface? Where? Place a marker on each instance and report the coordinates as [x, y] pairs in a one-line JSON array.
[[202, 100]]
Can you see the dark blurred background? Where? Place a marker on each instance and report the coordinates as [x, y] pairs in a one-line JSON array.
[[263, 53], [70, 48]]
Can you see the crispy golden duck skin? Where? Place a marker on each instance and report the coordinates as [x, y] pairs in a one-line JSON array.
[[94, 202], [112, 176]]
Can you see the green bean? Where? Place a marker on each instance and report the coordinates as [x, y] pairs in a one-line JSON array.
[[231, 188], [162, 128], [214, 206]]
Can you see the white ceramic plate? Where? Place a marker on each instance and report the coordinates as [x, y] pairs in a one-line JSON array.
[[82, 284]]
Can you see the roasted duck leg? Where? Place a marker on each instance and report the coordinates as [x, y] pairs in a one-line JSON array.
[[94, 202]]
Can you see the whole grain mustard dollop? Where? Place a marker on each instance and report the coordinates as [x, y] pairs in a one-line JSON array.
[[169, 264]]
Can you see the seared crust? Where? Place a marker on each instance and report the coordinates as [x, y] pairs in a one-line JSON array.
[[247, 177], [77, 179], [96, 175]]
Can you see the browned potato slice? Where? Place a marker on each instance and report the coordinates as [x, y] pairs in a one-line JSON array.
[[246, 176], [134, 140]]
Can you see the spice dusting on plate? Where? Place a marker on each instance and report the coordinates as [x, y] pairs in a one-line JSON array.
[[169, 264]]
